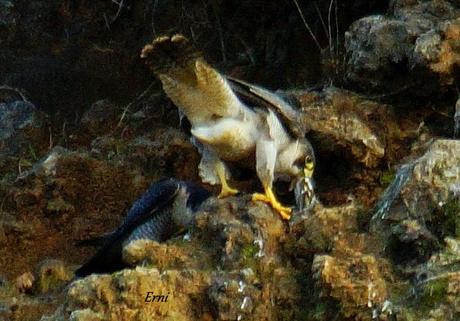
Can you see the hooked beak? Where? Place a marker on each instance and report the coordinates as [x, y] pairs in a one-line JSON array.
[[304, 193]]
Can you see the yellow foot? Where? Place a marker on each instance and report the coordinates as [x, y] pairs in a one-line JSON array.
[[227, 191], [284, 212]]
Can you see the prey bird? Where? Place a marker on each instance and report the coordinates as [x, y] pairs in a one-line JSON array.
[[164, 210], [233, 121]]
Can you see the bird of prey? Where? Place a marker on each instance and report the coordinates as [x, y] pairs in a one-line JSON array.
[[165, 209], [233, 121]]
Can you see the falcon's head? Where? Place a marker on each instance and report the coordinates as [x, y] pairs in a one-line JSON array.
[[304, 166]]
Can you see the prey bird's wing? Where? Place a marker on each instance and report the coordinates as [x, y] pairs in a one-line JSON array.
[[159, 195], [263, 98]]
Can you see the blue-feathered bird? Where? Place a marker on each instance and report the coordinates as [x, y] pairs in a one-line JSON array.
[[233, 121], [166, 208]]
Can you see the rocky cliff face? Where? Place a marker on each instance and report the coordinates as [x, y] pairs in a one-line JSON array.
[[84, 130]]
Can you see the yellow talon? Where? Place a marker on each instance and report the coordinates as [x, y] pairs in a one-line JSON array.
[[225, 190], [270, 198], [260, 197]]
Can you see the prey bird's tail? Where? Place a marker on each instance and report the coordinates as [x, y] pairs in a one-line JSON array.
[[169, 53]]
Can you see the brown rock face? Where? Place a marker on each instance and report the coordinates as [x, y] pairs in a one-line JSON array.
[[382, 244], [420, 37], [356, 283]]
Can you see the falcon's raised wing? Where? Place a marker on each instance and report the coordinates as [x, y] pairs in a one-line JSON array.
[[259, 97]]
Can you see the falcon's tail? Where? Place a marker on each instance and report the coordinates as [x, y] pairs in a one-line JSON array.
[[167, 53]]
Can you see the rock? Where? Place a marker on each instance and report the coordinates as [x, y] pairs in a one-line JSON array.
[[322, 231], [163, 152], [10, 94], [52, 275], [180, 291], [8, 21], [457, 119], [416, 40], [356, 141], [348, 273], [65, 197], [233, 297], [376, 45], [234, 266], [343, 119], [10, 226], [25, 282], [368, 131], [356, 283], [424, 184], [239, 261], [101, 118], [166, 255], [440, 49], [22, 129], [421, 205], [243, 240], [435, 296], [59, 206], [61, 173]]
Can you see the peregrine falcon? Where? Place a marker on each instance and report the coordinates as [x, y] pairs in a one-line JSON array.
[[165, 209], [233, 121]]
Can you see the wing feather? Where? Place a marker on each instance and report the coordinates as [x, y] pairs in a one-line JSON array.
[[260, 97], [216, 89], [276, 130]]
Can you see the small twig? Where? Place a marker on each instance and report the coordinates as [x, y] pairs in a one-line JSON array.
[[336, 29], [329, 26], [64, 135], [219, 28], [441, 112], [306, 25], [32, 153], [67, 35], [122, 135], [120, 7], [136, 100], [435, 278], [389, 94], [106, 20], [248, 50], [77, 118], [155, 3], [51, 137], [321, 19], [16, 90]]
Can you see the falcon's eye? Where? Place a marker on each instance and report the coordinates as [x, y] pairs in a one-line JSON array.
[[309, 166], [299, 162]]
